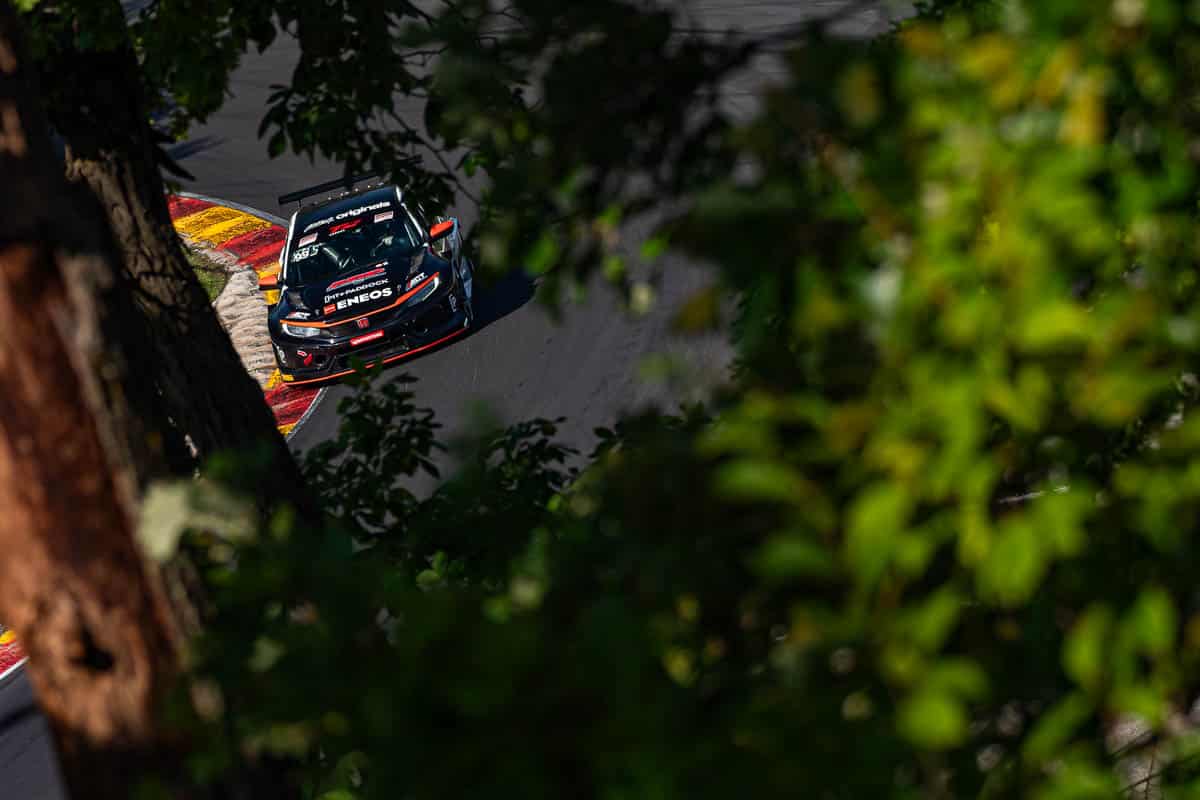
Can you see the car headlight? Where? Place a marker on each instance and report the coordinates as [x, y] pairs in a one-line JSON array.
[[303, 331], [429, 289]]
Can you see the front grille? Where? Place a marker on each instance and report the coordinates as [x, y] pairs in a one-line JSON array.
[[374, 320], [387, 347], [416, 330], [351, 328]]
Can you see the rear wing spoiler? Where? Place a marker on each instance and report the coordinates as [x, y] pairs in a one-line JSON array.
[[346, 183]]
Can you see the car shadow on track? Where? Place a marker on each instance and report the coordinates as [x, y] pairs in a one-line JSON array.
[[501, 298], [492, 303]]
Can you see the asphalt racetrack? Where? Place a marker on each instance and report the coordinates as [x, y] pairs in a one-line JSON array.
[[519, 363]]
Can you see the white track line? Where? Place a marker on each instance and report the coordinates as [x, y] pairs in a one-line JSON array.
[[13, 668]]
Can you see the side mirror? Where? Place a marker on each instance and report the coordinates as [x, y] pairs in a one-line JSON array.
[[441, 230], [269, 282]]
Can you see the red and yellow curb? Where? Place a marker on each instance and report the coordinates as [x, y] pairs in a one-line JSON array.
[[256, 243], [12, 655]]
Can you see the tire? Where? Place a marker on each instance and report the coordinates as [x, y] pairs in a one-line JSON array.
[[467, 276]]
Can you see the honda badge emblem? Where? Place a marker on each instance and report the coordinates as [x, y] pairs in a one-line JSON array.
[[364, 322]]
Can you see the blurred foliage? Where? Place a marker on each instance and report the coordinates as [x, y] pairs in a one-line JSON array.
[[933, 540]]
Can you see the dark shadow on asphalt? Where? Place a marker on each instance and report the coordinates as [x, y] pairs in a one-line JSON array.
[[502, 298], [28, 765], [191, 147], [18, 717], [492, 303]]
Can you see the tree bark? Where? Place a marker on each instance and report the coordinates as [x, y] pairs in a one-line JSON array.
[[77, 437], [99, 111]]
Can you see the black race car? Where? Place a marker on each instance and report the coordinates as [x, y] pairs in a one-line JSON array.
[[362, 275]]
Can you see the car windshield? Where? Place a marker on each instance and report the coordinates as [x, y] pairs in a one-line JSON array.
[[337, 246]]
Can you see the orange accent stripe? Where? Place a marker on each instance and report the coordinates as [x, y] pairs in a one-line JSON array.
[[399, 300], [387, 360], [444, 225]]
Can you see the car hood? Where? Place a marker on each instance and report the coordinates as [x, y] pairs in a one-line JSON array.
[[367, 288]]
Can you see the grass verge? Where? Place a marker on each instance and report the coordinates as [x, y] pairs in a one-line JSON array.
[[213, 276]]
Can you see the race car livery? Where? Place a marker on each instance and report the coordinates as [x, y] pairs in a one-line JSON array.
[[362, 278]]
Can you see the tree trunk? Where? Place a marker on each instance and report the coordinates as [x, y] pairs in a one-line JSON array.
[[74, 446], [211, 398]]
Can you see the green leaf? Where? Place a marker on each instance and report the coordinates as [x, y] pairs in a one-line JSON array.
[[932, 720], [266, 653], [1060, 517], [758, 480], [793, 555], [1144, 702], [544, 254], [1015, 563], [170, 509], [611, 216], [1056, 727], [958, 676], [340, 794], [1153, 621], [653, 248], [877, 515], [614, 268], [1077, 778], [1054, 325], [1086, 649], [930, 622]]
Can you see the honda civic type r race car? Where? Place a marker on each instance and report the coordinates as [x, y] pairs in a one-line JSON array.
[[361, 277]]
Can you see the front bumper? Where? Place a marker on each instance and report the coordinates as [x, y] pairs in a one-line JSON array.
[[392, 336]]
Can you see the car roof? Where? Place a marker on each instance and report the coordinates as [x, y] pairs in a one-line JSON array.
[[373, 195]]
